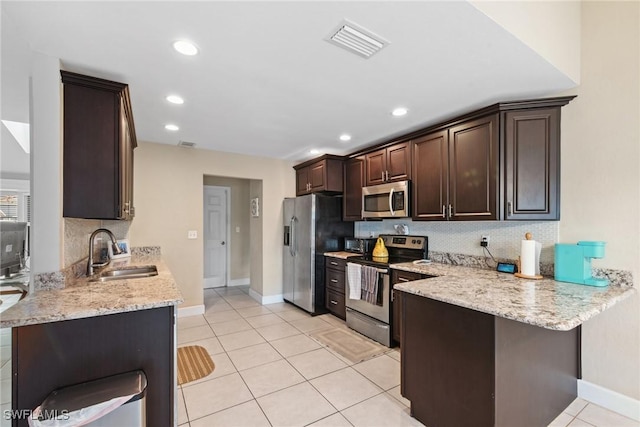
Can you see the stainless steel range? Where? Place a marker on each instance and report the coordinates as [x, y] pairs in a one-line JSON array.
[[370, 314]]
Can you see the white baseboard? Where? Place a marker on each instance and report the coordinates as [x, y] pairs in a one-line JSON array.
[[271, 299], [609, 399], [239, 282], [192, 310]]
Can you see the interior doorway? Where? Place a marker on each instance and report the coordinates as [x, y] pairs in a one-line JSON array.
[[240, 233], [216, 236]]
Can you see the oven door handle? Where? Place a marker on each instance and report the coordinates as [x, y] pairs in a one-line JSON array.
[[393, 213]]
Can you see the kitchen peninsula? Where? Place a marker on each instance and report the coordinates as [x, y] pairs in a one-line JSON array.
[[485, 348], [90, 330]]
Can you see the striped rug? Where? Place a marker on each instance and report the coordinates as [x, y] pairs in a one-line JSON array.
[[193, 363]]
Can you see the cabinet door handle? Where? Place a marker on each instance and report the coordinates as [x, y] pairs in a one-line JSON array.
[[334, 280], [402, 279], [444, 211], [382, 176], [450, 211], [334, 302], [509, 209], [387, 175], [334, 263]]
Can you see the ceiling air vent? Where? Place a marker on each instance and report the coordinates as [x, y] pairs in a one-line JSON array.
[[356, 39], [186, 144]]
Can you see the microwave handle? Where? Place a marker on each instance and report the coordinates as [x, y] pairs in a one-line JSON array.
[[393, 213]]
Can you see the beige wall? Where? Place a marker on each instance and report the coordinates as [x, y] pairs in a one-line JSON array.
[[551, 28], [600, 181], [238, 224], [168, 199]]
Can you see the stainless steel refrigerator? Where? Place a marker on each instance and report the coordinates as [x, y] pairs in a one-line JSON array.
[[312, 226]]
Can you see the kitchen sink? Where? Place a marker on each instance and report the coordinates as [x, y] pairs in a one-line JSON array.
[[126, 273]]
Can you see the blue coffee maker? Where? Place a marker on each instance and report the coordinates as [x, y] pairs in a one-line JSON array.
[[573, 262]]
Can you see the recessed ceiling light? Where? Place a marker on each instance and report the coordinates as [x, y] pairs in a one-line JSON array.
[[175, 99], [185, 47], [171, 127], [314, 151], [400, 111], [345, 137]]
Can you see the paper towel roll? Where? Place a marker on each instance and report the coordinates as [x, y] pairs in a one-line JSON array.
[[528, 258]]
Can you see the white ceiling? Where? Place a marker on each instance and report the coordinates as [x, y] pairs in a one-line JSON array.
[[266, 83]]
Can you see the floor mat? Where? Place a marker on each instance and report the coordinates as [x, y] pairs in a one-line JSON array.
[[193, 363], [349, 344]]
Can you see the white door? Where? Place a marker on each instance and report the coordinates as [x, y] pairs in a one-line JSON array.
[[215, 236]]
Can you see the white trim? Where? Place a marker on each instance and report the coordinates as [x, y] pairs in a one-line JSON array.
[[227, 197], [192, 310], [609, 399], [239, 282], [271, 299]]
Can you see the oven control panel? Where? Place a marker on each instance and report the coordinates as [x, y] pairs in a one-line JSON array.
[[405, 242]]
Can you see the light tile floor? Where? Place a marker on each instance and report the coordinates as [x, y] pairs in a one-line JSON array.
[[269, 372]]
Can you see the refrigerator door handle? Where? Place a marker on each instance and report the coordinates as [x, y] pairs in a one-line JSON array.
[[292, 244], [393, 213]]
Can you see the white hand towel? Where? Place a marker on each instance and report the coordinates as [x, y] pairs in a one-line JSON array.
[[354, 277]]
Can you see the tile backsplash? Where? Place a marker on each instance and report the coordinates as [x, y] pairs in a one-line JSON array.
[[76, 236], [464, 237]]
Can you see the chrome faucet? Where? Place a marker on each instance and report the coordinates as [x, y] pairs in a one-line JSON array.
[[114, 242]]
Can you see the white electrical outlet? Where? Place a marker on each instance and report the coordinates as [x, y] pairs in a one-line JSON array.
[[192, 234], [484, 241], [237, 229]]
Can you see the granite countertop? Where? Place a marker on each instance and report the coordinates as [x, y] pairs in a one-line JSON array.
[[341, 254], [545, 303], [82, 299]]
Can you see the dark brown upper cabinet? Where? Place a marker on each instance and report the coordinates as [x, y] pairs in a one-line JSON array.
[[353, 183], [431, 176], [323, 174], [532, 164], [456, 172], [99, 139], [501, 162], [388, 164]]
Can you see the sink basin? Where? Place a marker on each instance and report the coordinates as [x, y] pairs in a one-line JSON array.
[[127, 273]]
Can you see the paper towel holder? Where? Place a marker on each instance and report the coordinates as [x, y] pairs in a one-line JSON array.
[[525, 276]]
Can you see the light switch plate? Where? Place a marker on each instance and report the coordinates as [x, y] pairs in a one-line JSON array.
[[192, 234]]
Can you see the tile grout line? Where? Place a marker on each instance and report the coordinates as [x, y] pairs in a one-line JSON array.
[[322, 346]]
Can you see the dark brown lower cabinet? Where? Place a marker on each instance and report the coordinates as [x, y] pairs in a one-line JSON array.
[[335, 275], [399, 276], [53, 355], [461, 367]]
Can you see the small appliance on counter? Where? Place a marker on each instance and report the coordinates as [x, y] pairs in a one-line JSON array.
[[573, 262], [359, 245]]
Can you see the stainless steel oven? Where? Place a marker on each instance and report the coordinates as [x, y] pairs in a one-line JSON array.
[[386, 200], [372, 320]]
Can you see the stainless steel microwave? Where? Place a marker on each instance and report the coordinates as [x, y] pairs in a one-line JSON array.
[[389, 200]]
